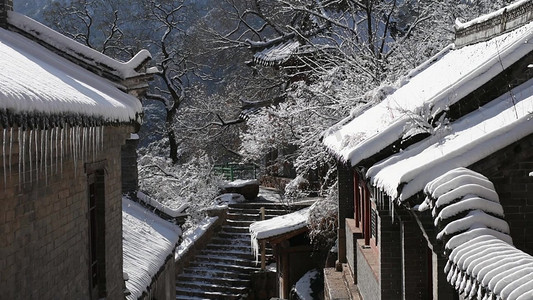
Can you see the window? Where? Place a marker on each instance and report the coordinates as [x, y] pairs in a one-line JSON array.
[[365, 211], [96, 219]]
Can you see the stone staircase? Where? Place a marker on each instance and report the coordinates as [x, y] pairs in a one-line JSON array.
[[223, 269]]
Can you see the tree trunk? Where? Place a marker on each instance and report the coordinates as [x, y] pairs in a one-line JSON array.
[[173, 143]]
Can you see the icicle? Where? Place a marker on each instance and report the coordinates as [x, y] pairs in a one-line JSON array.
[[20, 156], [468, 286], [102, 138], [473, 289], [4, 157], [61, 144], [56, 146], [23, 156], [93, 141], [41, 158], [10, 149], [74, 150], [447, 266], [51, 147], [46, 156], [30, 171]]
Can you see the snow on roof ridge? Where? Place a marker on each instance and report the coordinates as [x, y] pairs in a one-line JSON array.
[[464, 142], [468, 67], [38, 82], [71, 47]]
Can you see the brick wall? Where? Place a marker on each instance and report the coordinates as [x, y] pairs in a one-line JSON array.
[[509, 170], [130, 174], [415, 259], [390, 257], [44, 221], [346, 208]]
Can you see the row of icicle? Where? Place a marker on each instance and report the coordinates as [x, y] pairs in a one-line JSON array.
[[44, 151]]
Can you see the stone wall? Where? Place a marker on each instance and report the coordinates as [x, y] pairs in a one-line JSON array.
[[5, 5], [130, 174], [390, 257], [509, 170], [44, 251]]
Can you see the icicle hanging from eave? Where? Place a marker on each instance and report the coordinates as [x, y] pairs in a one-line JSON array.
[[40, 152]]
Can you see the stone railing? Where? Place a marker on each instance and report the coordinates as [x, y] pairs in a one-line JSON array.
[[484, 28]]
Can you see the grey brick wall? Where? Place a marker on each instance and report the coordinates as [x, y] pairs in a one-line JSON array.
[[390, 257], [509, 170], [130, 177], [346, 207], [415, 283], [44, 225]]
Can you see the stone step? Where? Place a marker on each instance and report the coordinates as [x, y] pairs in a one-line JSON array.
[[239, 223], [241, 240], [235, 229], [250, 211], [214, 280], [229, 267], [225, 259], [213, 287], [229, 247], [233, 235], [194, 292], [210, 272], [236, 254]]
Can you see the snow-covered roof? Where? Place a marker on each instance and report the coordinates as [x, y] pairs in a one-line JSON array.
[[55, 39], [277, 226], [278, 53], [471, 138], [36, 81], [427, 91], [147, 242]]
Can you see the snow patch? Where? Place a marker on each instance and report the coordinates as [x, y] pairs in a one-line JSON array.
[[147, 241], [191, 235]]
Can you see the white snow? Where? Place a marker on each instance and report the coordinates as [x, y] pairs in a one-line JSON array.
[[241, 183], [445, 80], [229, 198], [460, 26], [474, 219], [482, 263], [173, 211], [82, 52], [35, 80], [191, 235], [495, 266], [278, 53], [490, 128], [303, 285], [147, 241], [277, 226]]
